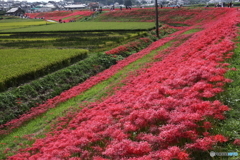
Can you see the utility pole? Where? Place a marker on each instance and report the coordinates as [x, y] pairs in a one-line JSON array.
[[156, 10]]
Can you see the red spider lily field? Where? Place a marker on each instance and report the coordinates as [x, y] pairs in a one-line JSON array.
[[175, 99], [64, 15]]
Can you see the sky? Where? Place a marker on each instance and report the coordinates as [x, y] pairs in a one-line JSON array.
[[33, 0], [40, 0]]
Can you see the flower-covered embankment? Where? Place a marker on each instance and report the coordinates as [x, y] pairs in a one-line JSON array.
[[163, 113], [64, 96], [65, 16]]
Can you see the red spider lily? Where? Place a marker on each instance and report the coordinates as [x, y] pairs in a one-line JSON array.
[[220, 138], [174, 16], [56, 15], [237, 142], [123, 49], [207, 125], [157, 110]]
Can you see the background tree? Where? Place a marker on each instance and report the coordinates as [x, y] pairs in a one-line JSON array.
[[119, 1], [128, 3], [143, 1], [109, 2]]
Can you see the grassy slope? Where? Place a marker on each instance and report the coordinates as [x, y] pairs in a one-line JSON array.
[[230, 127]]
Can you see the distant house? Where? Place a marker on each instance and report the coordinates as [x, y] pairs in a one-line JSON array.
[[93, 5], [49, 7], [76, 6], [15, 12], [43, 9]]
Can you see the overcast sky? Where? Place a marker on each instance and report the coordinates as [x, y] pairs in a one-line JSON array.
[[36, 0]]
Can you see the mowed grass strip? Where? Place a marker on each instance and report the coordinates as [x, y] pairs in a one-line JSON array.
[[87, 26], [17, 62], [192, 31]]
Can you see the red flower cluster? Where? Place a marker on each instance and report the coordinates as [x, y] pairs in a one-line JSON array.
[[237, 142], [123, 49], [158, 114], [56, 15], [171, 16]]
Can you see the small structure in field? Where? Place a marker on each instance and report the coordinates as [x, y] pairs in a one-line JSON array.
[[75, 6], [15, 12], [93, 6]]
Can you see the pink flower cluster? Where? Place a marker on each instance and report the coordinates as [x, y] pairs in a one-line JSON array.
[[237, 142], [56, 15], [123, 49], [159, 114], [171, 16]]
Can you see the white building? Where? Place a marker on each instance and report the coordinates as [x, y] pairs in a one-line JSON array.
[[75, 6]]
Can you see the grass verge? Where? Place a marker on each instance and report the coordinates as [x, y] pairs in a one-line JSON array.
[[230, 127]]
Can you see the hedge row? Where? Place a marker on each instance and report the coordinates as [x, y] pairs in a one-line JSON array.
[[19, 100], [30, 73]]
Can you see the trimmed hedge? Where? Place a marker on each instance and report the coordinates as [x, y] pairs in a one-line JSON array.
[[19, 100]]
